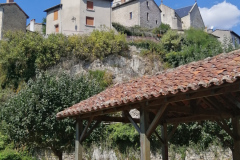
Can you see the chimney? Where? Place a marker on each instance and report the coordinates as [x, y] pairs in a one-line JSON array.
[[10, 1], [32, 24]]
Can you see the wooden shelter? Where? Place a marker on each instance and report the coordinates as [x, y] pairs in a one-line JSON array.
[[203, 90]]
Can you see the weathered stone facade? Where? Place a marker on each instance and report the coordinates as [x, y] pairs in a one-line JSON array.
[[144, 13], [182, 18], [170, 17], [72, 16], [227, 36], [12, 18]]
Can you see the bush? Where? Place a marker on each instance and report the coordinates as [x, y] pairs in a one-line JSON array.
[[122, 29], [99, 44], [9, 154], [24, 53], [162, 29]]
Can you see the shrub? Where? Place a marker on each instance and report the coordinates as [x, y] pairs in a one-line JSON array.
[[122, 29], [162, 29]]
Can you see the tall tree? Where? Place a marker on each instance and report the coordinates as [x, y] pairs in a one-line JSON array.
[[31, 114]]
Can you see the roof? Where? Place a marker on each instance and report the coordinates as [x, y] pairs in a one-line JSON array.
[[13, 3], [54, 7], [129, 1], [182, 12], [215, 71]]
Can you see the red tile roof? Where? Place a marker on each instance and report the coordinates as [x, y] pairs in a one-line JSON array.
[[205, 73]]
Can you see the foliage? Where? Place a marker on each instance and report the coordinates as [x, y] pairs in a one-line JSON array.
[[44, 21], [24, 53], [99, 44], [123, 136], [122, 29], [193, 46], [10, 154], [162, 29], [30, 115], [133, 31], [103, 77], [18, 54]]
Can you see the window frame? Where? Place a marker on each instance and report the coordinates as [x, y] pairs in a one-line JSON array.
[[56, 26], [55, 15], [93, 21], [130, 15], [90, 9]]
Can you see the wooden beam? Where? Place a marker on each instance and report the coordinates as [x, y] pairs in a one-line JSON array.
[[132, 121], [91, 130], [173, 131], [115, 119], [144, 140], [159, 138], [233, 100], [78, 144], [165, 140], [195, 118], [236, 132], [85, 129], [226, 128], [156, 120], [217, 90]]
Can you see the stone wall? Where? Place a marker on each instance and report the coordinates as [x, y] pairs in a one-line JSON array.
[[196, 18], [13, 18], [97, 153], [121, 14], [150, 8]]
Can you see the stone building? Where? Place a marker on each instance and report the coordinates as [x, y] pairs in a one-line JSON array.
[[78, 16], [12, 17], [182, 18], [144, 13], [226, 36], [35, 27]]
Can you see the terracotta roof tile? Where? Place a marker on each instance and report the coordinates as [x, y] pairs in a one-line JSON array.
[[211, 71]]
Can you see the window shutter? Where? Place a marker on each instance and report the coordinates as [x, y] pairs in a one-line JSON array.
[[55, 15], [89, 5], [122, 1], [89, 21], [57, 28]]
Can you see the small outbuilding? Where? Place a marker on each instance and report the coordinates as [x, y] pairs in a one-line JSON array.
[[205, 90]]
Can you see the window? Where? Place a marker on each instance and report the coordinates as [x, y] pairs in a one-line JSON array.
[[89, 21], [122, 1], [156, 22], [89, 5], [147, 3], [147, 16], [130, 15], [55, 15], [57, 28]]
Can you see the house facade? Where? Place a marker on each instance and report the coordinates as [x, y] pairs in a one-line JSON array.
[[35, 27], [226, 37], [78, 16], [182, 18], [12, 17], [144, 13]]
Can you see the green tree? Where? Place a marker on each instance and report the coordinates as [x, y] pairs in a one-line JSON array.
[[44, 20], [31, 114], [162, 29]]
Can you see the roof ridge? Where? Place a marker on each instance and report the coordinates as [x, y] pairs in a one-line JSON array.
[[184, 7]]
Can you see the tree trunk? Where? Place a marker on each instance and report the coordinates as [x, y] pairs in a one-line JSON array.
[[59, 154]]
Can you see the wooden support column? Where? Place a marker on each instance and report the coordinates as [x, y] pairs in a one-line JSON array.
[[165, 141], [78, 145], [144, 141], [236, 132]]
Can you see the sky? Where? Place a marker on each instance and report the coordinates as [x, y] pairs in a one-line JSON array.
[[218, 14]]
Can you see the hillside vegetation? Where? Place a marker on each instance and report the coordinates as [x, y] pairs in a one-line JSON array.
[[30, 97]]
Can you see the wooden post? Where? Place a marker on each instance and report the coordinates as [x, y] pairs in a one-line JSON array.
[[78, 145], [236, 132], [165, 140], [144, 141]]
